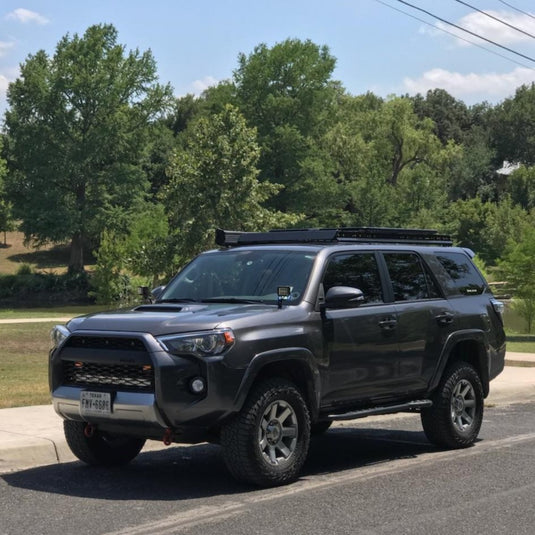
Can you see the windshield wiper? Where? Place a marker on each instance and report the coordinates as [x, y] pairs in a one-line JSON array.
[[231, 300]]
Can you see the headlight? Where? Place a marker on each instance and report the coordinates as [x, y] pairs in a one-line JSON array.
[[57, 335], [203, 344]]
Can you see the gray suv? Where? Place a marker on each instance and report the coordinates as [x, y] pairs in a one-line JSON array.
[[269, 339]]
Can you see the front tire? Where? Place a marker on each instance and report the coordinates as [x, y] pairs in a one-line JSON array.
[[100, 449], [267, 442], [455, 418]]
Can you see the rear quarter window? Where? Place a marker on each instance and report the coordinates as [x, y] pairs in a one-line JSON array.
[[456, 273]]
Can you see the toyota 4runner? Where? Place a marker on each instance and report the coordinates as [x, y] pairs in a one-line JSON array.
[[275, 335]]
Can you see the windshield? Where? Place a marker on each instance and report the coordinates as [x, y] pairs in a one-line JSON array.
[[242, 276]]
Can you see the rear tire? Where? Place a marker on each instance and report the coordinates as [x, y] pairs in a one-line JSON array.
[[100, 449], [267, 442], [455, 418]]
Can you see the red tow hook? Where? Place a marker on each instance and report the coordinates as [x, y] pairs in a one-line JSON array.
[[168, 437], [89, 430]]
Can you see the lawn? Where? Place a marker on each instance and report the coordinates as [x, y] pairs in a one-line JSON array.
[[56, 312], [49, 258], [24, 364], [521, 347]]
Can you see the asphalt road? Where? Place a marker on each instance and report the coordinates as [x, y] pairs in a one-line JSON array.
[[375, 476]]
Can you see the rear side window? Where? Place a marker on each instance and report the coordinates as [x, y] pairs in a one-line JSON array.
[[457, 274], [410, 281], [357, 270]]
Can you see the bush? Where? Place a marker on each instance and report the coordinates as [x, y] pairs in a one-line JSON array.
[[29, 289]]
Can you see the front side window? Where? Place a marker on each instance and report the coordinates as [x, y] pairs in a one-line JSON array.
[[410, 281], [242, 275], [357, 270]]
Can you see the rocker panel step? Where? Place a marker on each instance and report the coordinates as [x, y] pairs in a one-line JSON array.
[[384, 409]]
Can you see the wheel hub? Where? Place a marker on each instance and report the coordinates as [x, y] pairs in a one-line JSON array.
[[458, 405], [273, 432]]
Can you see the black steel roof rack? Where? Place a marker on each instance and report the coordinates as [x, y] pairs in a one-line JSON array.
[[330, 235]]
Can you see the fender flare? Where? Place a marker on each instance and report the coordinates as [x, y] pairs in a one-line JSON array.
[[470, 335], [301, 355]]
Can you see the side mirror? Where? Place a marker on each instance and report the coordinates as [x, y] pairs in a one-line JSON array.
[[156, 292], [343, 297]]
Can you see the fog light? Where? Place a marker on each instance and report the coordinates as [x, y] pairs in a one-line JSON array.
[[197, 385]]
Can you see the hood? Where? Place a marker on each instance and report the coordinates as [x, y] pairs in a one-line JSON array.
[[168, 319]]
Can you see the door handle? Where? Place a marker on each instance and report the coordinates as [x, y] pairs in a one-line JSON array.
[[446, 318], [388, 324]]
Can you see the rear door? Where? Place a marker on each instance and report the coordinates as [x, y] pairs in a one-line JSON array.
[[424, 319]]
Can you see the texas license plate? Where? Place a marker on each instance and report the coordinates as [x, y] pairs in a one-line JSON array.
[[95, 403]]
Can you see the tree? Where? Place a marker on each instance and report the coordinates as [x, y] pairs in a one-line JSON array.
[[286, 92], [521, 186], [517, 268], [513, 129], [451, 117], [77, 125], [213, 182], [6, 209]]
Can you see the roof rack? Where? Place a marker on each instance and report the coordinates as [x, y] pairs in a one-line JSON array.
[[413, 236]]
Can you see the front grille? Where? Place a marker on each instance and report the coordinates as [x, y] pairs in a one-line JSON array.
[[110, 343], [129, 377]]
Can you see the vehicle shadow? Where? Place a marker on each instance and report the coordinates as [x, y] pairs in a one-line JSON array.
[[191, 472]]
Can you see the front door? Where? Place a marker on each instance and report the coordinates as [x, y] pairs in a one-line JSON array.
[[361, 342]]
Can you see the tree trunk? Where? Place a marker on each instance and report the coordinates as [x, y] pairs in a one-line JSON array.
[[76, 262]]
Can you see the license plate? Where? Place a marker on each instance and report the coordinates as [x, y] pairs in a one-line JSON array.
[[95, 403]]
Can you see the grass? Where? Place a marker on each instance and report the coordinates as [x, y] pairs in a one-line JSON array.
[[15, 253], [49, 258], [24, 364], [57, 312], [521, 347]]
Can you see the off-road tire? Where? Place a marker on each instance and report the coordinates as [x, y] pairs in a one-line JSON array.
[[318, 428], [266, 443], [455, 418], [100, 449]]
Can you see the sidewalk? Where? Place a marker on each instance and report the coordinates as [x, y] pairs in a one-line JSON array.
[[33, 436]]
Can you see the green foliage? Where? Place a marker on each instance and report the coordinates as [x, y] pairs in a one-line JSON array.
[[486, 227], [286, 92], [514, 128], [32, 289], [213, 183], [517, 269], [109, 283], [451, 117], [25, 269], [521, 187], [148, 246], [6, 207], [78, 126]]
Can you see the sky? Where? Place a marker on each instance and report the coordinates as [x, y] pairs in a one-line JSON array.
[[379, 44]]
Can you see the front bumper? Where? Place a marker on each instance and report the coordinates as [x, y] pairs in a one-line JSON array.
[[170, 403]]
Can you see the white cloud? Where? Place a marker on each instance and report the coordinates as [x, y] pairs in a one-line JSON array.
[[480, 24], [199, 86], [5, 46], [489, 86], [4, 82], [26, 16]]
